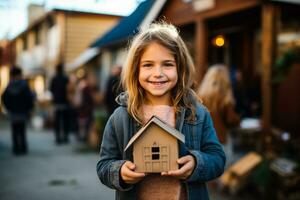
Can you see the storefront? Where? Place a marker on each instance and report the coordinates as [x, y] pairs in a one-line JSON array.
[[248, 36]]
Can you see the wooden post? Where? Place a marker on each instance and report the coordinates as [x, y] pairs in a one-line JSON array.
[[269, 32], [200, 50]]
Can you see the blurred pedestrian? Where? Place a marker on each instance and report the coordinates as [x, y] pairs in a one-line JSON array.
[[88, 100], [240, 92], [58, 88], [74, 103], [113, 89], [216, 93], [18, 99]]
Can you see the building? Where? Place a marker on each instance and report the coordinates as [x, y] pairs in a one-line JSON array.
[[248, 35], [5, 57], [54, 37]]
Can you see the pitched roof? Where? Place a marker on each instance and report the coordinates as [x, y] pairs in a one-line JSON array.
[[129, 26], [154, 119], [126, 27]]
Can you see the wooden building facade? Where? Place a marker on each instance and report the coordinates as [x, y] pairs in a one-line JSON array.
[[246, 35], [57, 36]]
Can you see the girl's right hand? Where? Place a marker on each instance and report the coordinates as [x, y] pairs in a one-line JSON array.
[[128, 174]]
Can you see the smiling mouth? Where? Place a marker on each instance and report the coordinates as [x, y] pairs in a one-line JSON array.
[[157, 82]]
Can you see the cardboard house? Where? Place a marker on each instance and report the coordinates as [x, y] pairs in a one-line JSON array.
[[155, 147]]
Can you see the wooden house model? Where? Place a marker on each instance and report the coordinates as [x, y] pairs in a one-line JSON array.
[[155, 147]]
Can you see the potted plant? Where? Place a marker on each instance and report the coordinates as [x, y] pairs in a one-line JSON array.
[[284, 63]]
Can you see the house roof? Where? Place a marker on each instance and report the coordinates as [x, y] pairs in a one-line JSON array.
[[154, 119], [128, 26]]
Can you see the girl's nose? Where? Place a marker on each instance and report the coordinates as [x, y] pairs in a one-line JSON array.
[[158, 71]]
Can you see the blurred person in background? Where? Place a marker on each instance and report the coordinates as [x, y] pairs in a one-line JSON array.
[[74, 103], [89, 97], [113, 89], [240, 92], [18, 99], [59, 89], [216, 94]]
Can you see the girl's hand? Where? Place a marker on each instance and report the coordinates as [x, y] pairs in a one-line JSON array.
[[185, 171], [128, 174]]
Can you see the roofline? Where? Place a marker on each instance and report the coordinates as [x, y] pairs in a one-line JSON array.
[[160, 123], [86, 12]]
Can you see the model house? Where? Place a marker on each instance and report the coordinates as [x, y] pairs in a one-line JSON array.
[[155, 147]]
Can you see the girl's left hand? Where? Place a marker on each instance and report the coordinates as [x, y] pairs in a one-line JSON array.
[[185, 171]]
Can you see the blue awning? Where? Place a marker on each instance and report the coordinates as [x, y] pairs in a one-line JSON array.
[[127, 27]]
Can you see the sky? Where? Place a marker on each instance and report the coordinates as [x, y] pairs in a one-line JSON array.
[[13, 13]]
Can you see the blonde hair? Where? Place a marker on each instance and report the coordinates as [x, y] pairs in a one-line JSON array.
[[215, 89], [167, 36]]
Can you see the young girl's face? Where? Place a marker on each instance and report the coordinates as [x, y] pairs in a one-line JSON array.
[[158, 73]]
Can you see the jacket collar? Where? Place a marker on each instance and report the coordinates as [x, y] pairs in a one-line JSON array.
[[180, 116], [121, 99]]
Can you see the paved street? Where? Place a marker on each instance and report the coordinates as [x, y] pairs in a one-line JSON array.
[[53, 172], [49, 171]]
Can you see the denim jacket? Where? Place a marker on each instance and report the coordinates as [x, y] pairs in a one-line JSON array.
[[200, 141]]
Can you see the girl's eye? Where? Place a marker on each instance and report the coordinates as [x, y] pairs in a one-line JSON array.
[[146, 65], [169, 64]]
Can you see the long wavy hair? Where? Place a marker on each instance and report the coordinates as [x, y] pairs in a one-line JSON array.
[[215, 89], [168, 36]]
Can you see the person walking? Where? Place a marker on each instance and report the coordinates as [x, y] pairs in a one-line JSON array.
[[157, 77], [59, 90], [18, 99]]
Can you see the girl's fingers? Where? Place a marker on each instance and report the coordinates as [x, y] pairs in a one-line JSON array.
[[133, 174], [186, 170], [128, 175], [184, 159]]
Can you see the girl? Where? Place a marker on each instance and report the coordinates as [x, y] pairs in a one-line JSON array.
[[157, 77], [216, 93]]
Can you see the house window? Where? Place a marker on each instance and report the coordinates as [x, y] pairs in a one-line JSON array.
[[50, 22], [37, 36], [155, 156], [155, 153], [25, 43], [155, 149]]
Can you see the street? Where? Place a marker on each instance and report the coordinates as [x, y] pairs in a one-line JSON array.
[[48, 171], [55, 172]]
